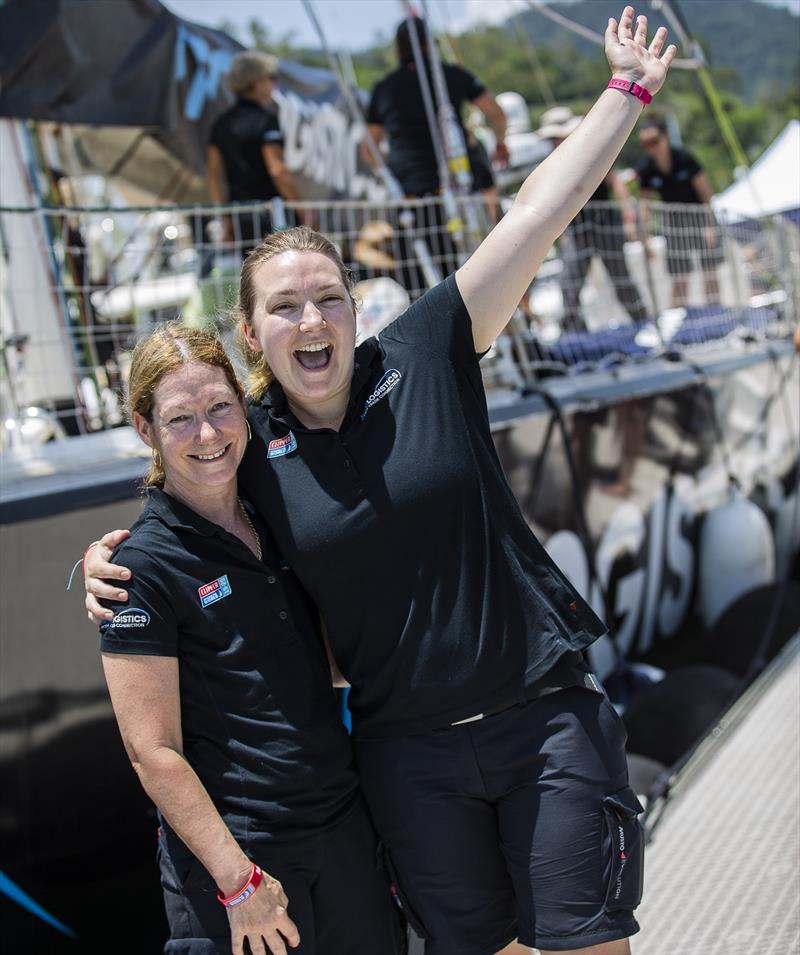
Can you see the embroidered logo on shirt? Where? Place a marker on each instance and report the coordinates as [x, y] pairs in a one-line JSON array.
[[134, 618], [390, 380], [216, 590], [281, 446]]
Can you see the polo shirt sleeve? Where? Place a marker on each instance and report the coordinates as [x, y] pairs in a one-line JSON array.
[[691, 164], [644, 173], [271, 134], [374, 110], [147, 623], [462, 85], [438, 322]]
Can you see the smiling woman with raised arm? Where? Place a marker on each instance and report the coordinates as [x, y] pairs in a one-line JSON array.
[[492, 761], [221, 688]]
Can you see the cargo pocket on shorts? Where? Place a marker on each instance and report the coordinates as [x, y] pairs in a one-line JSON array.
[[401, 899], [624, 839]]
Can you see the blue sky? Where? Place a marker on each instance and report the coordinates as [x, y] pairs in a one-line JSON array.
[[354, 24]]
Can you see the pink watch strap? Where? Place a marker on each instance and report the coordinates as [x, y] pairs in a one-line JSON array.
[[628, 86]]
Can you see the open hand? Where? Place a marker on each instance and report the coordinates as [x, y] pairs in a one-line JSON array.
[[100, 576], [263, 920], [629, 56]]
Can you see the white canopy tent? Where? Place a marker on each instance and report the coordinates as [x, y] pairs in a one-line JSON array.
[[772, 184]]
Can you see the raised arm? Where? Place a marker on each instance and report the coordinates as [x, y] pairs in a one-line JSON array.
[[493, 280], [145, 695]]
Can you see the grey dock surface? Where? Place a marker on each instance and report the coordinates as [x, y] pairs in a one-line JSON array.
[[722, 872]]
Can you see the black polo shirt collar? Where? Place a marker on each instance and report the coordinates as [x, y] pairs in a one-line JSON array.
[[177, 515], [276, 403]]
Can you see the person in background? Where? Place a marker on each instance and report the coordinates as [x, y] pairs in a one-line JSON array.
[[594, 231], [244, 156], [221, 687], [396, 110], [396, 113], [673, 175]]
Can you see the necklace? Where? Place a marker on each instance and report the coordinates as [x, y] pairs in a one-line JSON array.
[[249, 523]]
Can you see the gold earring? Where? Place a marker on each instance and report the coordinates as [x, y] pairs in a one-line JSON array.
[[249, 429], [157, 459]]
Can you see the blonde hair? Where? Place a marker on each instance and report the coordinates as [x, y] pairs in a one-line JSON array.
[[299, 239], [156, 356], [248, 67]]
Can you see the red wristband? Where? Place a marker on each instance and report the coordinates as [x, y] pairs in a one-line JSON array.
[[628, 86], [253, 882]]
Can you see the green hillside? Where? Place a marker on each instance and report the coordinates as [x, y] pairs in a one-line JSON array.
[[753, 51]]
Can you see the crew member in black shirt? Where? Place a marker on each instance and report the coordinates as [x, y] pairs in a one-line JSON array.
[[397, 111], [673, 175], [244, 156], [223, 695]]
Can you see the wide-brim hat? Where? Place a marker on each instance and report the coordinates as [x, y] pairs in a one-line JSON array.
[[372, 246], [558, 123]]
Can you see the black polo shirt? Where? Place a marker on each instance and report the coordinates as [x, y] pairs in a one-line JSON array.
[[397, 105], [239, 134], [438, 599], [675, 185], [259, 718]]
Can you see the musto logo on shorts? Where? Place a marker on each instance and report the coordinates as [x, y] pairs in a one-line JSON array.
[[134, 618], [623, 859], [390, 380], [281, 446], [216, 590]]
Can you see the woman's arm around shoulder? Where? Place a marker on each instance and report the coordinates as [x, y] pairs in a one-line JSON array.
[[496, 276], [99, 575]]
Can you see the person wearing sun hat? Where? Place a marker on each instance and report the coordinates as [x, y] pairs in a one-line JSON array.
[[594, 231]]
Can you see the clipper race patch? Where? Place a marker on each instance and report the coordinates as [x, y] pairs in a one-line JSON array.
[[390, 380], [216, 590], [281, 446]]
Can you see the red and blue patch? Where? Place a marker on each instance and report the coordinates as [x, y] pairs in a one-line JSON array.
[[281, 446], [214, 591]]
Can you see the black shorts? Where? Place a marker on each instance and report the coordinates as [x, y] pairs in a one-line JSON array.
[[339, 894], [519, 825]]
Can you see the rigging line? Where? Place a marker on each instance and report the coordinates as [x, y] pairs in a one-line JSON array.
[[444, 36], [529, 46], [677, 21], [452, 136], [597, 38], [455, 147]]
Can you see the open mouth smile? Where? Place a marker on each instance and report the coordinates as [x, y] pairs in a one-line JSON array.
[[315, 356], [214, 456]]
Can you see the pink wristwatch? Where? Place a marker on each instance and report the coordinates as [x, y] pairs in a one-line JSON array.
[[628, 86]]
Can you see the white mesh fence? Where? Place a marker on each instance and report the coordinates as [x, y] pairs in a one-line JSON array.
[[79, 286]]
